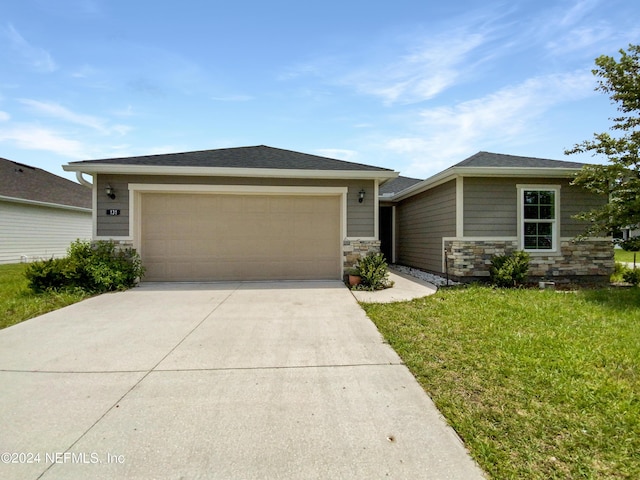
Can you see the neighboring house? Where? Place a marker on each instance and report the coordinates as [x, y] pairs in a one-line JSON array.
[[40, 213], [255, 213]]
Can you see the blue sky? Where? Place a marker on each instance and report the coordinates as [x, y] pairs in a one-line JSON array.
[[411, 85]]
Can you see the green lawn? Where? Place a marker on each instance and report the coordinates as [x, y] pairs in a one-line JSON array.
[[623, 256], [539, 384], [18, 303]]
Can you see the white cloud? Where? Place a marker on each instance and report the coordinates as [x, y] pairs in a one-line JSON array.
[[577, 12], [31, 137], [510, 115], [426, 71], [337, 153], [4, 116], [55, 110], [38, 58], [581, 38], [58, 111]]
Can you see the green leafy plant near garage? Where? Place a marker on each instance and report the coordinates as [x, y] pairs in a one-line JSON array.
[[90, 267], [373, 270]]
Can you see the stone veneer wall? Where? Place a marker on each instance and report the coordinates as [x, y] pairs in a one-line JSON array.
[[353, 250], [588, 259]]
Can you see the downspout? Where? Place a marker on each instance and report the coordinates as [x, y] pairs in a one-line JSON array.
[[82, 180]]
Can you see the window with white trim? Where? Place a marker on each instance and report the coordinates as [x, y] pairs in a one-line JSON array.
[[539, 218]]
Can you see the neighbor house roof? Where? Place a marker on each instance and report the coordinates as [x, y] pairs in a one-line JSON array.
[[26, 184], [487, 164]]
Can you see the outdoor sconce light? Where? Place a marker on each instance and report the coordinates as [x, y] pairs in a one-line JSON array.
[[361, 195], [109, 190]]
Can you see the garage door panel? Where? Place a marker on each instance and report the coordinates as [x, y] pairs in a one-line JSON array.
[[203, 237]]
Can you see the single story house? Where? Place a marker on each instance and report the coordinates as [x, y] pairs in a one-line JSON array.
[[40, 213], [255, 213]]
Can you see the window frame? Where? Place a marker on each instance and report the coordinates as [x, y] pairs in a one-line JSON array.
[[555, 222]]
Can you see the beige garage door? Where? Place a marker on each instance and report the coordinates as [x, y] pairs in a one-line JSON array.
[[205, 237]]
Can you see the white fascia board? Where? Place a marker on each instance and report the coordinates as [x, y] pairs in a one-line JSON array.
[[230, 172], [44, 204], [453, 172]]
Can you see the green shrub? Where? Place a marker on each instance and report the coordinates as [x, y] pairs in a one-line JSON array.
[[48, 274], [373, 270], [93, 268], [509, 270], [631, 276], [618, 272]]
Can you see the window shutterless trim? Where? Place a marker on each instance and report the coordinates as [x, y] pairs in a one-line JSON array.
[[555, 222]]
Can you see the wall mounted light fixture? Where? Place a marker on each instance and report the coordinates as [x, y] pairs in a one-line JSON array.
[[110, 191], [361, 195]]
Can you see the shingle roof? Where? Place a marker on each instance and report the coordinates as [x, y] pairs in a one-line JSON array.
[[31, 183], [397, 185], [488, 159], [240, 157]]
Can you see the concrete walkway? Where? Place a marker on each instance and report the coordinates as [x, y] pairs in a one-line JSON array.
[[405, 288], [217, 381]]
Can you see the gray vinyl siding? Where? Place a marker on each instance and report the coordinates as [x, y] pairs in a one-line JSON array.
[[421, 223], [360, 216], [491, 205], [575, 200], [39, 232]]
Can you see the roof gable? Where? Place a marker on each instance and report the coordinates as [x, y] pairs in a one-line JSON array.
[[258, 157], [34, 184]]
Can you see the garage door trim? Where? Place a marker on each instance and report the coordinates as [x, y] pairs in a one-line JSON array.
[[138, 189]]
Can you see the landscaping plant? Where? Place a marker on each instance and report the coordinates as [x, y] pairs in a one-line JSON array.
[[373, 270], [509, 270], [90, 267]]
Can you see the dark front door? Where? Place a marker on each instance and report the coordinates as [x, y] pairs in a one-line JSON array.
[[386, 232]]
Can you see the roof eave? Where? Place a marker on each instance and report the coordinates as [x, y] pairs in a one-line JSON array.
[[45, 204], [453, 172], [382, 175]]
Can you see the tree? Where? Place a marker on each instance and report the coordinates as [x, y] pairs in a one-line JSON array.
[[620, 178]]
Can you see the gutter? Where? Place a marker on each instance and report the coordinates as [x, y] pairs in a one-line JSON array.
[[454, 172], [382, 176], [44, 204]]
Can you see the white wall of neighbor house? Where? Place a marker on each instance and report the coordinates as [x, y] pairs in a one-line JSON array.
[[31, 232]]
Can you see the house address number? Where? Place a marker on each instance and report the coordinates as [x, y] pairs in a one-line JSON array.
[[113, 211]]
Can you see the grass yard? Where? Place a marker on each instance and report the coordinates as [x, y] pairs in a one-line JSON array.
[[624, 256], [539, 384], [18, 302]]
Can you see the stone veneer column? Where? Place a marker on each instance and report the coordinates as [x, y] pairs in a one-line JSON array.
[[354, 250]]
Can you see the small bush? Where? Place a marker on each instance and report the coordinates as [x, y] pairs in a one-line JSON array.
[[631, 276], [509, 270], [373, 270], [92, 268]]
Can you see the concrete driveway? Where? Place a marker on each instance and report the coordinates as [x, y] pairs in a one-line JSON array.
[[230, 381]]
